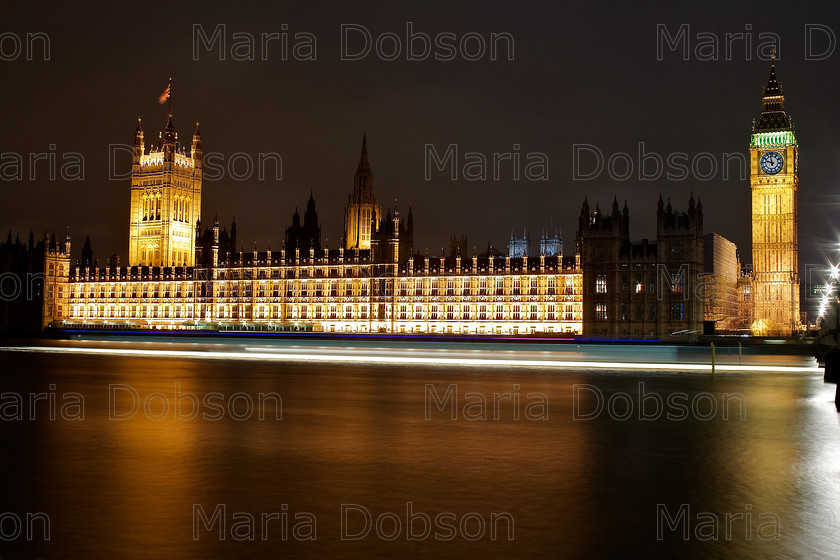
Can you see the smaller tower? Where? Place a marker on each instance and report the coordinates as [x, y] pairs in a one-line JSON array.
[[216, 242], [551, 243], [518, 246], [362, 214]]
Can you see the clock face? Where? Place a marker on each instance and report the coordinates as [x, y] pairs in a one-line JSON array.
[[771, 162]]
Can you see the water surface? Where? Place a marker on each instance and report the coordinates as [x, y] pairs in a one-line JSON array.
[[358, 434]]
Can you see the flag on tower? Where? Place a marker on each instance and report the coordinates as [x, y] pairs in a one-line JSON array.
[[165, 95]]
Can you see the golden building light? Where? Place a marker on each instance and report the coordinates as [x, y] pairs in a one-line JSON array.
[[774, 179]]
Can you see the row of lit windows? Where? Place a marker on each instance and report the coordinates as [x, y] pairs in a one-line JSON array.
[[151, 207], [130, 311], [116, 290], [353, 270], [51, 269], [434, 312], [676, 285], [421, 286], [316, 289], [516, 312], [677, 312]]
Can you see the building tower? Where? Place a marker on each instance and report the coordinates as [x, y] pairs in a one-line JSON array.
[[306, 236], [165, 200], [774, 179], [362, 213], [551, 244], [519, 247]]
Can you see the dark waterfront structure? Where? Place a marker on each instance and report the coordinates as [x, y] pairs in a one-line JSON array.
[[30, 280], [641, 289]]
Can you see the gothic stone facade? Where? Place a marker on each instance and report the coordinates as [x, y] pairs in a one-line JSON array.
[[374, 283], [641, 290], [774, 179]]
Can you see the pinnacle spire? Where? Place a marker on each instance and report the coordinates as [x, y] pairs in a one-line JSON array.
[[363, 161], [773, 87], [138, 135], [773, 116], [169, 136]]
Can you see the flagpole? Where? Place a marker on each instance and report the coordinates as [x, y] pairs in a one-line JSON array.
[[169, 97]]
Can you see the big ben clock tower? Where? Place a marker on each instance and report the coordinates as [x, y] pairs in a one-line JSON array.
[[774, 178]]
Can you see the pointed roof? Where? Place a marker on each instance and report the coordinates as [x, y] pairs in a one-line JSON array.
[[773, 87], [364, 165], [168, 136], [773, 116]]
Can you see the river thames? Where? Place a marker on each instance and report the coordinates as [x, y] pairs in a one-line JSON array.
[[129, 449]]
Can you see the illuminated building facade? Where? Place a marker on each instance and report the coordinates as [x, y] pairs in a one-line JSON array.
[[374, 283], [165, 200], [362, 213], [182, 277], [774, 178], [720, 284], [745, 301]]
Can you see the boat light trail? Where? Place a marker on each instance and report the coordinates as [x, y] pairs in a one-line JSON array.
[[411, 358]]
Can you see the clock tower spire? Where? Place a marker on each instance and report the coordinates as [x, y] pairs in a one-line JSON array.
[[774, 180]]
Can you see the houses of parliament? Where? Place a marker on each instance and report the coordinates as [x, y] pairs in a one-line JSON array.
[[181, 275], [187, 272]]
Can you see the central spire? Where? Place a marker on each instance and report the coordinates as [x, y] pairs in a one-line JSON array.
[[363, 183], [363, 160], [773, 116], [773, 87], [362, 208]]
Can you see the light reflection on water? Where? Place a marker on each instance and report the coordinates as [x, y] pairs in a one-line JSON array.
[[357, 434]]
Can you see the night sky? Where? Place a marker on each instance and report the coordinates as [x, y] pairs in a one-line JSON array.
[[583, 73]]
